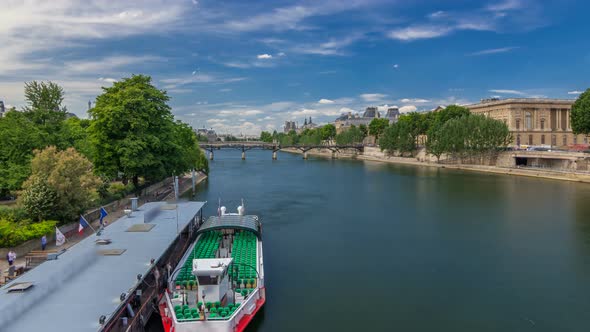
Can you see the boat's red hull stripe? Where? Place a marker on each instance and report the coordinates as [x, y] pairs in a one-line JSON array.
[[247, 318]]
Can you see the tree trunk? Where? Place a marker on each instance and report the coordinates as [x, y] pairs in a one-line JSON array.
[[135, 181]]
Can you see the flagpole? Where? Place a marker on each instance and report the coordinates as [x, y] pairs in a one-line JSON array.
[[89, 224]]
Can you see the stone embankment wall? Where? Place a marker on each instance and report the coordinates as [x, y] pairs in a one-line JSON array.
[[501, 163]]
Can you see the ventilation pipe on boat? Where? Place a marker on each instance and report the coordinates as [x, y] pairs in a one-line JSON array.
[[223, 209], [241, 210]]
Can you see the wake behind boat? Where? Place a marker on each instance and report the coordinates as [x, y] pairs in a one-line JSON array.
[[219, 283]]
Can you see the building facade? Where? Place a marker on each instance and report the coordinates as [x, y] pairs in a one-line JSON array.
[[289, 125], [2, 110], [533, 121]]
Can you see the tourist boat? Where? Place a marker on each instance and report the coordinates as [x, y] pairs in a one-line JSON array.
[[218, 284]]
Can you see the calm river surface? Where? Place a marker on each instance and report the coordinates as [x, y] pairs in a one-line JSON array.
[[363, 246]]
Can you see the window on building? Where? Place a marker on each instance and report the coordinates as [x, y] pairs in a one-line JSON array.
[[517, 124], [518, 140], [542, 139], [564, 116], [542, 124], [528, 120], [530, 139], [575, 139], [553, 139], [564, 140], [553, 121], [586, 140]]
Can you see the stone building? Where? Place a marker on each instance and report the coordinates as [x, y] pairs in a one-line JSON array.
[[533, 121], [346, 120]]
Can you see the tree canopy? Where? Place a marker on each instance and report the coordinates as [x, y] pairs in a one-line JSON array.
[[133, 133], [266, 137], [377, 126], [62, 185], [580, 114]]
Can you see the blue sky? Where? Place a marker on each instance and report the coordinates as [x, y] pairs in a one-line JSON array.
[[246, 66]]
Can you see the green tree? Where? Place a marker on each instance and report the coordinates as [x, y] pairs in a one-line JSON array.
[[132, 130], [580, 114], [74, 133], [310, 137], [265, 136], [378, 126], [185, 148], [44, 107], [364, 130], [38, 198], [18, 138], [69, 175], [328, 132], [352, 135]]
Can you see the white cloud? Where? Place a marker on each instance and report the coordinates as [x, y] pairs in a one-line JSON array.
[[414, 100], [508, 92], [506, 5], [494, 51], [264, 56], [107, 79], [325, 101], [332, 47], [419, 32], [575, 92], [396, 66], [373, 97], [407, 109], [172, 83], [281, 54]]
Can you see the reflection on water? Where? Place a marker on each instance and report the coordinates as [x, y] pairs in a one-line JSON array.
[[366, 246]]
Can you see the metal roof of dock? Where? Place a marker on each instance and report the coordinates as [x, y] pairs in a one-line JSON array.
[[249, 223], [73, 291]]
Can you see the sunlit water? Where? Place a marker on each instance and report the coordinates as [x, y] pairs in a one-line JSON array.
[[363, 246]]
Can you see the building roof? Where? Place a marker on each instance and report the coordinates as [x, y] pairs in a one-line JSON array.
[[248, 222], [73, 291], [494, 102]]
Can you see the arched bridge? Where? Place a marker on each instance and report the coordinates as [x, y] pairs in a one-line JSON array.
[[274, 147]]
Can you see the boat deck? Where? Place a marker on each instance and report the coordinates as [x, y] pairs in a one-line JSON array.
[[241, 245]]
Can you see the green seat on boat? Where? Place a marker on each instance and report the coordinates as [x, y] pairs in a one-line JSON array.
[[180, 316], [213, 310], [213, 315]]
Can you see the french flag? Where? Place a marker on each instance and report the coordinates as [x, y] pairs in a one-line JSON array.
[[83, 224]]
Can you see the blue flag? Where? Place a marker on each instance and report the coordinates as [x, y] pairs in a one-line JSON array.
[[103, 213]]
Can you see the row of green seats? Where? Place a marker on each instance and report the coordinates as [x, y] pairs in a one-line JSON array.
[[206, 247], [244, 255]]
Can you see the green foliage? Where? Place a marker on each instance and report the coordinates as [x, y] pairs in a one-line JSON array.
[[12, 214], [364, 130], [352, 135], [69, 175], [39, 199], [202, 138], [13, 234], [580, 114], [310, 137], [266, 137], [19, 137], [74, 133], [378, 126], [132, 131], [44, 108], [328, 132], [468, 135]]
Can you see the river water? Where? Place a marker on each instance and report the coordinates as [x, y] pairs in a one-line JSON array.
[[365, 246]]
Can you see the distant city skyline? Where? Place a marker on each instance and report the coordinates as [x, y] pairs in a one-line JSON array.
[[247, 67]]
